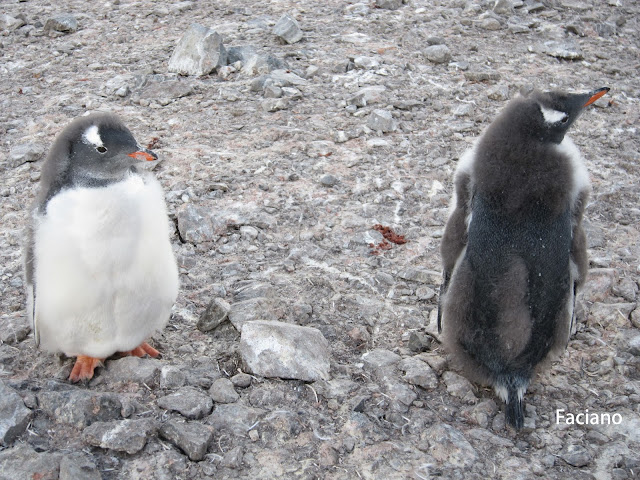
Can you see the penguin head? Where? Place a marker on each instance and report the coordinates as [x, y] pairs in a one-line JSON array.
[[555, 112]]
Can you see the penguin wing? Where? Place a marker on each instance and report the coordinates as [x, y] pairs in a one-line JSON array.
[[29, 273], [454, 239]]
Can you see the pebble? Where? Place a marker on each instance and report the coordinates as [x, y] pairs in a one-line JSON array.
[[197, 225], [23, 462], [438, 54], [576, 455], [190, 402], [241, 380], [145, 371], [120, 435], [288, 29], [14, 415], [381, 121], [277, 349], [459, 387], [7, 22], [216, 312], [367, 96], [79, 408], [366, 63], [193, 438], [274, 104], [222, 391], [389, 4], [421, 275], [199, 52], [65, 23], [379, 358], [234, 418], [78, 466], [172, 377], [503, 7], [417, 372], [328, 180], [563, 50], [448, 445], [499, 92]]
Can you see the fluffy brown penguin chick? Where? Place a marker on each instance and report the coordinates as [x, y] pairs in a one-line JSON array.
[[514, 250]]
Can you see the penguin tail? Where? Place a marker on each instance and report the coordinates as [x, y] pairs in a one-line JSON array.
[[515, 409]]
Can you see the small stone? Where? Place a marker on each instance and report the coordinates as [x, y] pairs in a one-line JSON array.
[[25, 152], [482, 76], [189, 402], [272, 91], [277, 349], [463, 110], [193, 438], [121, 435], [288, 29], [23, 462], [222, 391], [458, 386], [419, 342], [241, 380], [172, 377], [379, 358], [199, 52], [328, 180], [438, 53], [65, 23], [503, 7], [7, 22], [368, 237], [232, 458], [564, 50], [499, 92], [490, 23], [535, 7], [366, 63], [79, 407], [421, 275], [134, 369], [320, 148], [576, 455], [389, 4], [367, 95], [196, 224], [634, 346], [234, 418], [216, 312], [14, 415], [449, 446], [381, 121], [274, 104]]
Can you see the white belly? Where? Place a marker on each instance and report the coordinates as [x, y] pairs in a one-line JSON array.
[[105, 273]]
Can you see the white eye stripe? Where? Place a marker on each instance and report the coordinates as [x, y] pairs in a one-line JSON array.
[[552, 116], [92, 136]]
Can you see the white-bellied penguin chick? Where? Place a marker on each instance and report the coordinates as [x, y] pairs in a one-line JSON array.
[[100, 272], [514, 250]]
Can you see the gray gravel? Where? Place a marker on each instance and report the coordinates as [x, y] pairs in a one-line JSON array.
[[277, 161]]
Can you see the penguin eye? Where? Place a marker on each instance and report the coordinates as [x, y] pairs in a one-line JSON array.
[[101, 149], [565, 119]]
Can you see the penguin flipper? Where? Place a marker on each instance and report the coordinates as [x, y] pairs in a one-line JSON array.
[[29, 274]]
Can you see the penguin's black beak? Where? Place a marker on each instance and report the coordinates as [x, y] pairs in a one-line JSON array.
[[144, 154], [595, 95]]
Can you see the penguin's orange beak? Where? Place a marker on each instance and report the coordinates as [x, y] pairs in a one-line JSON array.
[[595, 95], [147, 155]]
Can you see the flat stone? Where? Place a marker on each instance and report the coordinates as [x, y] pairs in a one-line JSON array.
[[576, 455], [380, 358], [193, 438], [421, 275], [65, 23], [634, 346], [382, 121], [277, 349], [121, 435], [199, 52], [503, 7], [364, 62], [25, 152], [367, 96], [389, 4], [482, 75], [253, 291], [611, 315], [196, 224], [368, 237], [241, 380], [449, 446], [79, 407], [458, 386], [563, 50], [190, 402], [288, 29], [134, 369], [234, 418], [14, 415], [253, 309], [171, 377], [7, 22], [222, 391], [216, 312], [438, 53], [78, 466], [417, 372]]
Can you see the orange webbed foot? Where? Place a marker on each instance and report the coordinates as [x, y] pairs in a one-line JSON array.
[[142, 350], [84, 367]]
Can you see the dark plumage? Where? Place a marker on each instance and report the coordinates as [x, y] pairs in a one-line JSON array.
[[514, 251]]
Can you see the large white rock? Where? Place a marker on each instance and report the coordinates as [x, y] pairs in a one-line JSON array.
[[199, 52], [277, 349]]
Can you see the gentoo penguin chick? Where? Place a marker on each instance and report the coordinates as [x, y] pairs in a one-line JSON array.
[[100, 272], [513, 250]]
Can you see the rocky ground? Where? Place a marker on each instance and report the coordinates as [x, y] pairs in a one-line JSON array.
[[276, 167]]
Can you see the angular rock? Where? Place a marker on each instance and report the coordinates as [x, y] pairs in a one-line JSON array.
[[199, 52], [438, 53], [274, 104], [277, 349], [418, 373], [7, 22], [223, 391], [166, 92], [459, 387], [79, 407], [367, 95], [576, 455], [562, 50], [379, 358], [449, 446], [25, 152], [634, 346], [260, 308], [196, 224], [193, 438], [172, 377], [287, 29], [421, 275], [328, 180], [366, 63], [14, 415], [482, 75], [121, 435], [216, 312], [134, 369], [389, 4], [161, 465], [65, 23], [189, 402], [234, 418], [22, 462], [381, 121], [253, 291], [78, 466], [503, 7]]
